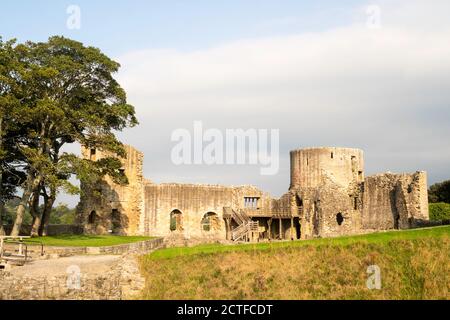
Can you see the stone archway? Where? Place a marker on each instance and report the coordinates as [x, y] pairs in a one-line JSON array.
[[176, 220], [116, 221], [210, 222], [92, 218], [339, 218]]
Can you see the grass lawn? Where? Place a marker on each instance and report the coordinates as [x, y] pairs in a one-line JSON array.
[[413, 264], [85, 240], [379, 238]]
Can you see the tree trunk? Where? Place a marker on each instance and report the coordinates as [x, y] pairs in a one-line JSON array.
[[2, 211], [36, 226], [34, 210], [48, 206], [31, 184], [49, 200], [20, 212], [2, 205]]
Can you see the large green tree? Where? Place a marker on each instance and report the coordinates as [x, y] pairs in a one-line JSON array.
[[439, 192], [10, 158], [67, 94]]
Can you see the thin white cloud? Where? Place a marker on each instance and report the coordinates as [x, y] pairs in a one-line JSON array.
[[385, 90]]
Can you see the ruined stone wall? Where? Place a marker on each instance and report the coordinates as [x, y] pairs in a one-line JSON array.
[[325, 190], [192, 201], [395, 201], [328, 211], [328, 196], [284, 206], [106, 206], [52, 230], [141, 247], [122, 282], [145, 208], [341, 165], [264, 202]]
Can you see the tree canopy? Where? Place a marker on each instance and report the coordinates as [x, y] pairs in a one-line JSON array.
[[56, 93], [439, 192]]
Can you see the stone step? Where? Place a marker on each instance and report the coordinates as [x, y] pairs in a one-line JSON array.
[[16, 259]]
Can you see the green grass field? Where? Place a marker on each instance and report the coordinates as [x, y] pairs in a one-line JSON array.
[[381, 237], [85, 240], [414, 264]]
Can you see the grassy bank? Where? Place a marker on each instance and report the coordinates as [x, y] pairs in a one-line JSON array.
[[414, 264], [380, 238], [85, 240]]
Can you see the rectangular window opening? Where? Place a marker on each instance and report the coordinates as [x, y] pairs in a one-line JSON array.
[[251, 202]]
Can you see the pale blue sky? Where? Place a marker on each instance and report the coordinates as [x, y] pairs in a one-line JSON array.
[[120, 26], [315, 70]]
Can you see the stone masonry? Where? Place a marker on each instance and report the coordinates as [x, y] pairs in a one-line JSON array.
[[329, 195]]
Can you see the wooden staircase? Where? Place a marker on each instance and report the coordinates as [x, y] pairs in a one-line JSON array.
[[246, 227]]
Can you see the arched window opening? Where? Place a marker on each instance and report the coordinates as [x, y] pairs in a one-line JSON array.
[[339, 218], [92, 217], [116, 220], [210, 222], [176, 220]]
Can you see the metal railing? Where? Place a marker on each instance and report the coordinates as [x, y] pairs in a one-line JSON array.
[[19, 258], [19, 255]]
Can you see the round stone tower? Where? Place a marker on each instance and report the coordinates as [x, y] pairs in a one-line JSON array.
[[309, 167]]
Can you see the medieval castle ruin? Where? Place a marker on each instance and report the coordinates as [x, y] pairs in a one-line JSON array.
[[328, 196]]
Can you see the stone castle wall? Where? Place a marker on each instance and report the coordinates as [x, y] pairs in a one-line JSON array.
[[395, 201], [107, 207], [122, 282], [325, 182], [337, 200], [53, 229], [310, 166], [194, 202], [328, 195], [191, 201]]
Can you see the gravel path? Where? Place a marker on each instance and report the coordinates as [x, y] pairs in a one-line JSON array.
[[95, 264]]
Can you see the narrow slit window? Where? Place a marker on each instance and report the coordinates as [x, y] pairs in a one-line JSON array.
[[93, 153]]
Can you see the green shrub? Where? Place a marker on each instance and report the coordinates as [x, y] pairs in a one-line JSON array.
[[439, 211]]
